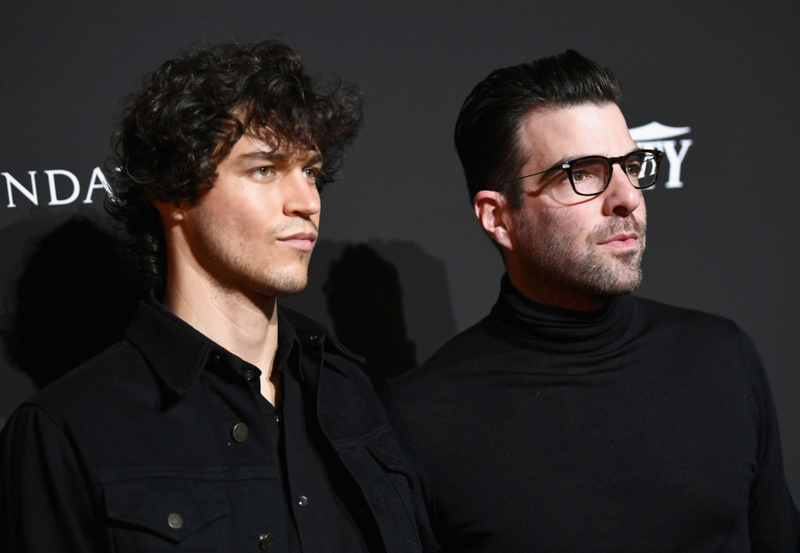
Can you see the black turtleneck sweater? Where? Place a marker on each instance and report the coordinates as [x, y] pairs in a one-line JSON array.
[[640, 427]]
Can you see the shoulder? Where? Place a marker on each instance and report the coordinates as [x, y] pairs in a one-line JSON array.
[[65, 414], [715, 346], [454, 359], [91, 381], [671, 322], [654, 315], [653, 308]]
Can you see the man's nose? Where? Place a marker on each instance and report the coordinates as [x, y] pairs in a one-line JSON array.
[[301, 195], [621, 197]]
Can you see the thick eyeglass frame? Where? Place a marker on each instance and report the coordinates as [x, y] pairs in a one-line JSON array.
[[621, 160]]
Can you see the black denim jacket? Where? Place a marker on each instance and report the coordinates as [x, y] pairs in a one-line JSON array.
[[136, 450]]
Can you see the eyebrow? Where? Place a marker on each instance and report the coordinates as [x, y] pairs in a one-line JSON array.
[[557, 165], [279, 157]]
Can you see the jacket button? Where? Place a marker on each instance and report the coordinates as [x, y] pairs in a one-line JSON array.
[[250, 374], [240, 432], [175, 521], [302, 500], [265, 541]]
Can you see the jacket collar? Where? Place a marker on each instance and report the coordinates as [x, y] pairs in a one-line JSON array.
[[177, 352], [313, 335]]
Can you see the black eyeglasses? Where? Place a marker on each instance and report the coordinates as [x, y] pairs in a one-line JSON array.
[[591, 175]]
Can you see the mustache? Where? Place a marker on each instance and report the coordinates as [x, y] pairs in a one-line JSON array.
[[303, 225], [615, 226]]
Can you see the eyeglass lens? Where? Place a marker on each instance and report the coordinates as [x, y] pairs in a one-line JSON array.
[[590, 175]]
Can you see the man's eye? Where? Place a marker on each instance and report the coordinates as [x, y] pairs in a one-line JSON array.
[[311, 172], [579, 176], [633, 169], [264, 171]]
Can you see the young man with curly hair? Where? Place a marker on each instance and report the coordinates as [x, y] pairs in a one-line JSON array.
[[221, 422]]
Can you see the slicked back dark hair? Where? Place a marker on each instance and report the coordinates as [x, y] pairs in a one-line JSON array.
[[487, 130], [191, 111]]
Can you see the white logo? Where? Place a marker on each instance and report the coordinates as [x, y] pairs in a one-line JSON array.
[[653, 137], [66, 181]]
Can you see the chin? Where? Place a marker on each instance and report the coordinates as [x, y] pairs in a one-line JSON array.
[[283, 293], [287, 284], [612, 279], [620, 287]]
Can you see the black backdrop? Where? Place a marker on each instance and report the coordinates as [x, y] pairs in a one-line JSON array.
[[399, 242]]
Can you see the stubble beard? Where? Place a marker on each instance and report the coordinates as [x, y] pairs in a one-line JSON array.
[[286, 283], [267, 280], [233, 272], [554, 254]]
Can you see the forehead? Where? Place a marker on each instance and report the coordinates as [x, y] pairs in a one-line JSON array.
[[267, 144], [551, 135]]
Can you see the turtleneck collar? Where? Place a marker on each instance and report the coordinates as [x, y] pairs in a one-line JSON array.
[[554, 329]]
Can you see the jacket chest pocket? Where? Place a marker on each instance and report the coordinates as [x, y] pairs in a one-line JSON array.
[[167, 514]]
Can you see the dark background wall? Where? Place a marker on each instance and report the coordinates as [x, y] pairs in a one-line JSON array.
[[399, 238]]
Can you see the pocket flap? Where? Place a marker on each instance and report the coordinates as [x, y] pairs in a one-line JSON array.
[[173, 508], [388, 455]]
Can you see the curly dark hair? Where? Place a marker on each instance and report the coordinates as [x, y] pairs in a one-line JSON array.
[[189, 114], [487, 130]]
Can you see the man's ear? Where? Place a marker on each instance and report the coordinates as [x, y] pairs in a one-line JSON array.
[[170, 212], [493, 211]]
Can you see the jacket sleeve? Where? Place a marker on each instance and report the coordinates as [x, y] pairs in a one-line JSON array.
[[773, 520], [46, 503], [418, 495]]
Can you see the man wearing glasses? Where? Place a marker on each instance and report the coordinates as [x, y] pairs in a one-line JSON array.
[[576, 417]]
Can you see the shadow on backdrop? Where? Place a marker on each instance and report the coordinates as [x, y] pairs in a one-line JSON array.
[[365, 303], [388, 301], [73, 300]]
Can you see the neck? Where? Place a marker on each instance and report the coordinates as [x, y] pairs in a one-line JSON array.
[[244, 324]]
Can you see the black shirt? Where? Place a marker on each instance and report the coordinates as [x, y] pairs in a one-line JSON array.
[[640, 427], [320, 521], [164, 443]]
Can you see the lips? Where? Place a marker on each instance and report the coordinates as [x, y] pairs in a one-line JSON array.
[[303, 241], [622, 241]]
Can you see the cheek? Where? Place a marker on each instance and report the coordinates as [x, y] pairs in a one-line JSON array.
[[572, 220], [257, 210]]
